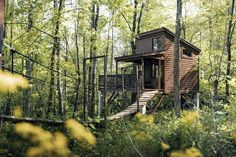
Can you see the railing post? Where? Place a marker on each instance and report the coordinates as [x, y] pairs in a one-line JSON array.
[[12, 51], [105, 88], [84, 83], [137, 87], [123, 88], [116, 75]]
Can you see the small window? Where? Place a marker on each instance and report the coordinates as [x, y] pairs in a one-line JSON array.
[[156, 44], [187, 52]]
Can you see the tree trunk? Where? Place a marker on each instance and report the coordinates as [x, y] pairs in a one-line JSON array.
[[78, 69], [1, 29], [55, 50], [228, 47], [132, 42], [112, 44], [92, 68], [26, 93], [176, 59]]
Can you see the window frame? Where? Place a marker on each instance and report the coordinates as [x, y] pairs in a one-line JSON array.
[[186, 55], [161, 42]]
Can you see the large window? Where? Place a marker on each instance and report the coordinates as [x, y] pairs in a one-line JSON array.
[[156, 44]]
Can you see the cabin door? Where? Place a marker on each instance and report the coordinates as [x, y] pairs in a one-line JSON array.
[[153, 74]]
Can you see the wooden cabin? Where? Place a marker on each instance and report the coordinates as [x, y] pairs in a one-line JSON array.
[[154, 60]]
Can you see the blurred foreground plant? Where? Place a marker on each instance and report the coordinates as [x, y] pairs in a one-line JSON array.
[[190, 152], [79, 132], [11, 82], [47, 144]]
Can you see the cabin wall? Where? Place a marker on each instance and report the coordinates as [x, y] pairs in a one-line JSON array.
[[189, 72], [144, 45]]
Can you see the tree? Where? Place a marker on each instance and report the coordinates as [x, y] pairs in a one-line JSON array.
[[231, 27], [56, 51], [176, 58], [93, 48]]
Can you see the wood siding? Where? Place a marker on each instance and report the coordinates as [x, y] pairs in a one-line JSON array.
[[189, 72]]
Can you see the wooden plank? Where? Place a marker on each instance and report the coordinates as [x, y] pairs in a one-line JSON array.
[[133, 108], [30, 120]]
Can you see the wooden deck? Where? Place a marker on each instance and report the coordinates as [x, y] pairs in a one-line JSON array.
[[143, 100]]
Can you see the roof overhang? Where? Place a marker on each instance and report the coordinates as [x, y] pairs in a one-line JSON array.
[[139, 56]]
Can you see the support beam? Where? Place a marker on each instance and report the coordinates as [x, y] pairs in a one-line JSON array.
[[85, 91], [137, 87], [142, 78]]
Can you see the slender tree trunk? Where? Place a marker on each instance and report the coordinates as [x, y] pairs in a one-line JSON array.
[[176, 58], [26, 93], [59, 88], [228, 47], [77, 71], [92, 68], [1, 29], [55, 51], [132, 42], [112, 44]]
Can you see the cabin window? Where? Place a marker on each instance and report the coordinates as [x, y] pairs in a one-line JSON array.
[[187, 52], [156, 44]]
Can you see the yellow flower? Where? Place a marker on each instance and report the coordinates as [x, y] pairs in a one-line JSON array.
[[79, 132], [190, 152], [234, 135], [189, 117], [142, 136], [165, 146], [10, 82], [48, 144], [145, 119], [17, 111]]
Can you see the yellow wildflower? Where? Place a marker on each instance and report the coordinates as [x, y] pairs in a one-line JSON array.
[[10, 82], [189, 117], [165, 146], [141, 136], [234, 135], [190, 152], [17, 111], [79, 132], [145, 119], [50, 145]]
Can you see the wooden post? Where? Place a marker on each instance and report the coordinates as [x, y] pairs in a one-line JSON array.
[[12, 60], [196, 101], [1, 29], [159, 74], [84, 84], [137, 87], [100, 99], [105, 88], [123, 88], [116, 74], [142, 79]]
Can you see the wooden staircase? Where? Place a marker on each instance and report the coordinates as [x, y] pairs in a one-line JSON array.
[[143, 100]]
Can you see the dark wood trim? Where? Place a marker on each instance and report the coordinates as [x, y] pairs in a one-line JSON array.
[[139, 56]]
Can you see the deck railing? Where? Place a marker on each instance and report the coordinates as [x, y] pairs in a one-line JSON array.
[[120, 82]]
